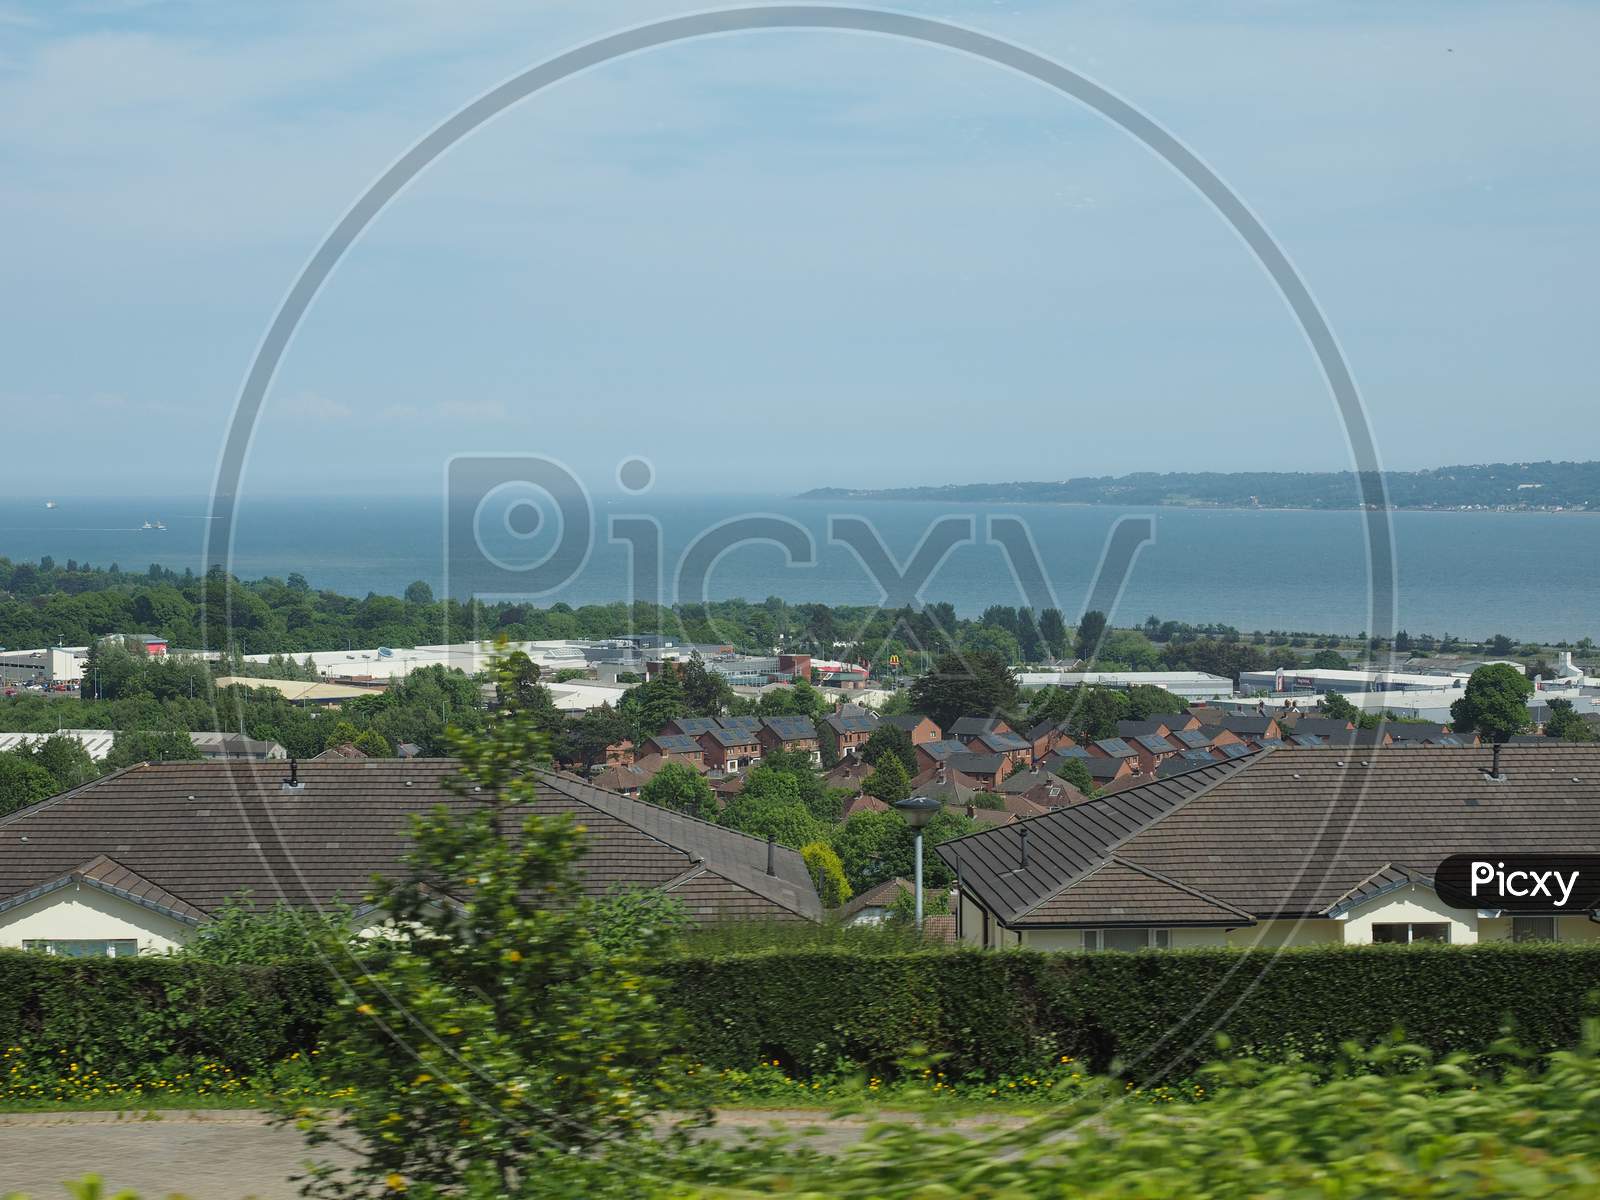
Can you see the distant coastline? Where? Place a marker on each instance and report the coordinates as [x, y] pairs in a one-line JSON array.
[[1547, 487]]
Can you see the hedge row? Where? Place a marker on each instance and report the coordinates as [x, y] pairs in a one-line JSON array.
[[993, 1014], [132, 1014], [985, 1013]]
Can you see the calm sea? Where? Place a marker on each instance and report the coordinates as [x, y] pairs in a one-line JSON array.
[[1527, 575]]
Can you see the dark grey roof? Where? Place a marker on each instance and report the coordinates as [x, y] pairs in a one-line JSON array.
[[1191, 739], [677, 743], [1154, 743], [1124, 893], [976, 764], [1115, 747], [1235, 750], [1186, 760], [1062, 752], [1103, 768], [201, 832], [792, 729], [746, 725], [1047, 727], [1297, 832], [695, 726], [731, 737], [1246, 726], [1387, 878], [943, 748], [1065, 843], [1320, 726], [851, 722], [970, 726], [1307, 739], [1133, 729], [999, 743], [907, 721]]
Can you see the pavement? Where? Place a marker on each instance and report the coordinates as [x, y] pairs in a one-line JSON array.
[[236, 1154]]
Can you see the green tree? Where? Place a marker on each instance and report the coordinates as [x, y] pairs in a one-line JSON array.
[[965, 685], [890, 739], [150, 745], [775, 811], [889, 781], [1339, 708], [1328, 660], [418, 592], [1495, 703], [1145, 701], [904, 905], [497, 1047], [827, 873], [1074, 772], [1091, 628], [875, 846], [681, 788], [1566, 724], [1053, 628], [22, 782], [67, 761], [243, 932]]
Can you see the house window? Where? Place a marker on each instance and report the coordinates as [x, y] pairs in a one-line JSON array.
[[85, 948], [1126, 939], [1404, 932], [1533, 929]]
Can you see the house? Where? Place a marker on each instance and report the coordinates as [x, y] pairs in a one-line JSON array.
[[796, 734], [1323, 727], [135, 861], [952, 788], [1218, 738], [931, 754], [967, 727], [342, 750], [1128, 730], [619, 752], [861, 803], [730, 749], [691, 726], [1047, 736], [1105, 770], [746, 725], [851, 773], [873, 905], [1018, 750], [851, 728], [988, 770], [1151, 750], [1112, 748], [627, 778], [674, 744], [1189, 739], [918, 728], [1177, 722], [1252, 728], [236, 746], [1040, 790], [1279, 849]]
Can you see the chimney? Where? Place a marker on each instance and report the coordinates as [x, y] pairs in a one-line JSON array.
[[1494, 768], [772, 855], [1022, 865], [292, 782]]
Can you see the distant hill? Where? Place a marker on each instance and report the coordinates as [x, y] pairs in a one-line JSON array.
[[1541, 485]]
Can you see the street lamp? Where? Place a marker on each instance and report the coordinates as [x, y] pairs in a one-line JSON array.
[[918, 811]]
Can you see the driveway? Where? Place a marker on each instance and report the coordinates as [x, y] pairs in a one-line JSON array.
[[237, 1155]]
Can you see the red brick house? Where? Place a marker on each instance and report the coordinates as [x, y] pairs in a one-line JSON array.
[[730, 749], [920, 729]]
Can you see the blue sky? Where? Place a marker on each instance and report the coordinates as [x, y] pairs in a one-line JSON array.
[[779, 260]]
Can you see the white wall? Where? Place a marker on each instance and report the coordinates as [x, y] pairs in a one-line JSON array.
[[77, 912], [1410, 903]]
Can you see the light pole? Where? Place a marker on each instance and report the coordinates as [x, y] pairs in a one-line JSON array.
[[918, 811]]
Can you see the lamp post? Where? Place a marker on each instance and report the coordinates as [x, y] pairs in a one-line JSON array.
[[918, 811]]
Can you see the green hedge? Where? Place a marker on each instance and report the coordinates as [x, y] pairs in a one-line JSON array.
[[124, 1015], [987, 1013], [1003, 1013]]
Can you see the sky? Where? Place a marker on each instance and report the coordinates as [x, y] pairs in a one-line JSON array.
[[772, 261]]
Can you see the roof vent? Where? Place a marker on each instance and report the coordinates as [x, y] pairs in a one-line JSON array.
[[1022, 863], [1493, 774], [292, 782], [772, 854], [408, 783]]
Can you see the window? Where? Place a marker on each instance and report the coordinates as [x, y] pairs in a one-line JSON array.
[[1533, 929], [1126, 939], [1404, 932], [85, 948]]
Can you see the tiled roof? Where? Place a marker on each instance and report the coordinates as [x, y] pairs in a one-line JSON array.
[[1154, 743], [695, 726], [205, 831], [1115, 747], [1065, 843], [730, 737], [1190, 739], [792, 729], [880, 895], [745, 725], [943, 748], [972, 726], [677, 743], [999, 743], [907, 721], [976, 764], [1298, 832], [1118, 893], [1133, 729], [851, 723]]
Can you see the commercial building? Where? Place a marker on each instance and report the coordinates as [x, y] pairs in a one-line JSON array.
[[1186, 685]]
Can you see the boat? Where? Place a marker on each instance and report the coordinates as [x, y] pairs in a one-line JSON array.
[[152, 525], [49, 503]]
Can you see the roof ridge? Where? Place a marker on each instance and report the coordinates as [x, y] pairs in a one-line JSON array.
[[1231, 767], [1159, 877]]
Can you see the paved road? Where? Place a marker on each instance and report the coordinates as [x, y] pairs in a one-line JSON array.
[[237, 1155]]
